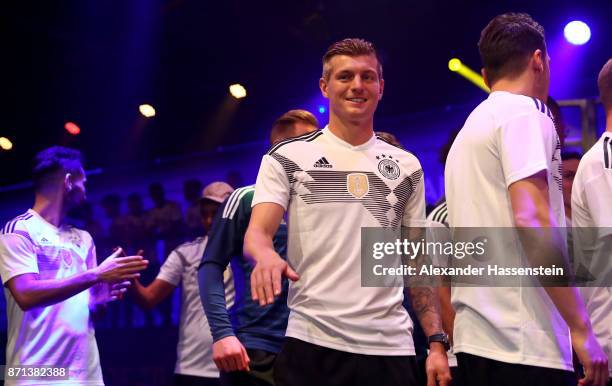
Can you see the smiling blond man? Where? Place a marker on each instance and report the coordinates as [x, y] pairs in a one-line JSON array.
[[332, 183]]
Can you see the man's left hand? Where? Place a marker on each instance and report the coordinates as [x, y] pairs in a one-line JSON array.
[[436, 366]]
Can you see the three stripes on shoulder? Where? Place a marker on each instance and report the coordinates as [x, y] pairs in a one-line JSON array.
[[234, 201]]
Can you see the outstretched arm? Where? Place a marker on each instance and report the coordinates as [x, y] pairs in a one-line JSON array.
[[30, 291], [150, 296], [258, 245]]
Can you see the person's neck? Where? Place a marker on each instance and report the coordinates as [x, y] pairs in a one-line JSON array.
[[523, 85], [354, 132], [49, 206], [609, 121], [568, 211]]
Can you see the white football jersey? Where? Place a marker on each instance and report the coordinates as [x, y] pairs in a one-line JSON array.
[[331, 189]]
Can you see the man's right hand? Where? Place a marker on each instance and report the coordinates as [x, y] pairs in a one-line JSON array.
[[592, 357], [117, 269], [266, 278], [230, 355]]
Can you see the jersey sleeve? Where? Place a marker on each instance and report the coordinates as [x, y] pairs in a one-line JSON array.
[[172, 269], [439, 215], [229, 226], [525, 145], [597, 193], [414, 213], [272, 183], [17, 256], [225, 240]]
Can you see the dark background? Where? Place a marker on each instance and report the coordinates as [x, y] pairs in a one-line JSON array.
[[94, 62]]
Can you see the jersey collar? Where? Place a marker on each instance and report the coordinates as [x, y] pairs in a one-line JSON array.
[[340, 142], [42, 220]]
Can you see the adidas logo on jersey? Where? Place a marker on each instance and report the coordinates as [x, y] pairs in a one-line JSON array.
[[322, 163]]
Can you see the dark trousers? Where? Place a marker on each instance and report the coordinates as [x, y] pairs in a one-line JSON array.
[[261, 374], [190, 380], [304, 364], [480, 371], [457, 377]]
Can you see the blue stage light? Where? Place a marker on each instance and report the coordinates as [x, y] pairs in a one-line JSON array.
[[577, 32], [321, 109]]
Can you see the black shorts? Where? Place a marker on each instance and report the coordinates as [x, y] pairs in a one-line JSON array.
[[304, 364], [261, 374], [191, 380], [480, 371]]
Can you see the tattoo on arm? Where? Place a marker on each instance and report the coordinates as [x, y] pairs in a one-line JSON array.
[[426, 305]]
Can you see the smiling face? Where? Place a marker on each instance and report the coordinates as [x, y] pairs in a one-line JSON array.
[[353, 87]]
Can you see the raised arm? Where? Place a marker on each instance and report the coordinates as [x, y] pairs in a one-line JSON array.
[[153, 294], [30, 291]]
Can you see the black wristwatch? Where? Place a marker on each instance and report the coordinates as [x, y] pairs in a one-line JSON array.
[[440, 338]]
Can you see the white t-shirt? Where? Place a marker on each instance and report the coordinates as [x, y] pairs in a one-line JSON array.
[[507, 138], [592, 211], [331, 189], [62, 334], [194, 349]]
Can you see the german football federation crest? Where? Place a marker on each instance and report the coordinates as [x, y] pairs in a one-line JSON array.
[[357, 184], [66, 257], [388, 167]]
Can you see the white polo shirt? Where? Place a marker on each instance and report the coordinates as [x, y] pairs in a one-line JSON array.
[[592, 211], [331, 189], [62, 334], [507, 138]]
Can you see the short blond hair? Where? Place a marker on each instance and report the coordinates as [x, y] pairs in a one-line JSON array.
[[350, 47], [284, 126]]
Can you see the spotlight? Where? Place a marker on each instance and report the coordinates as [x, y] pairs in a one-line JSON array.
[[322, 109], [455, 65], [577, 32], [147, 110], [5, 144], [238, 91], [72, 128]]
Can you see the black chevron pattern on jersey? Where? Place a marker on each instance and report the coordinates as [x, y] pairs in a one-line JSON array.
[[329, 186], [290, 168]]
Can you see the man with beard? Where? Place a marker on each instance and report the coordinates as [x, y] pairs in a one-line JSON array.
[[52, 282]]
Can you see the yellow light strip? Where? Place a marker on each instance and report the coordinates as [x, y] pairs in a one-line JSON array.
[[455, 65]]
